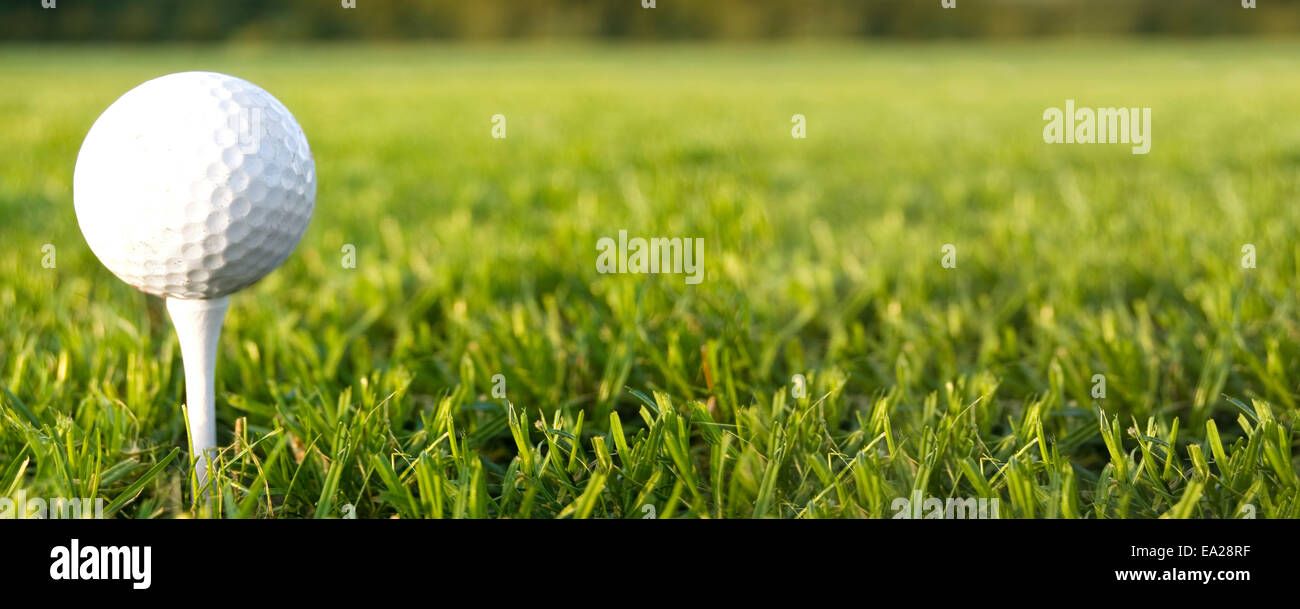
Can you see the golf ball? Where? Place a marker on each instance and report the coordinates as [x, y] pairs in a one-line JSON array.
[[194, 185]]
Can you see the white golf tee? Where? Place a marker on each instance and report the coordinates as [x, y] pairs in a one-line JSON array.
[[198, 328]]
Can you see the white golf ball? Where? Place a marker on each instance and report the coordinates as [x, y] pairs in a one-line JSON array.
[[194, 185]]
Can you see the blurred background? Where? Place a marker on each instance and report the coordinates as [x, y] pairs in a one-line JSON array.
[[216, 20]]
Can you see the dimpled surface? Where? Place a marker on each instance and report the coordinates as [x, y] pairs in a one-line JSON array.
[[194, 185]]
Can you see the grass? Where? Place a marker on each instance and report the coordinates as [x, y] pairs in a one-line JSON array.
[[635, 396]]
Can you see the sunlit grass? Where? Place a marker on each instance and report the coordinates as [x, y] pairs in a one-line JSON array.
[[372, 387]]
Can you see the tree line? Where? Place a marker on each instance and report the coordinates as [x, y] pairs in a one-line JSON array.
[[222, 20]]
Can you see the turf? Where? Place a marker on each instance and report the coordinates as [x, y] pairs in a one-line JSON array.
[[367, 391]]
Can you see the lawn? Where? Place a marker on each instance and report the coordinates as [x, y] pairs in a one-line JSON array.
[[369, 391]]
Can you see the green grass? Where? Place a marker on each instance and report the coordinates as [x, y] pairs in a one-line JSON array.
[[371, 386]]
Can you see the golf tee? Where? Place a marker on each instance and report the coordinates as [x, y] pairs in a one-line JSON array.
[[198, 328]]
